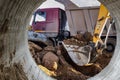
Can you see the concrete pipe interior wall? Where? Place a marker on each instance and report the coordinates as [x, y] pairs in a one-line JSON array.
[[14, 17]]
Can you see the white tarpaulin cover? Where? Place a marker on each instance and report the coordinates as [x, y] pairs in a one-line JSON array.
[[86, 3]]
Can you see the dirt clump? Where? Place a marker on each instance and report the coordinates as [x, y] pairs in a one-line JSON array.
[[88, 36], [74, 41], [50, 48], [85, 37], [79, 37], [35, 47], [50, 61]]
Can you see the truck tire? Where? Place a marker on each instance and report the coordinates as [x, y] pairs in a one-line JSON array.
[[111, 43]]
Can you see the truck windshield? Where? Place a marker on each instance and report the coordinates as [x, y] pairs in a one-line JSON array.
[[40, 16]]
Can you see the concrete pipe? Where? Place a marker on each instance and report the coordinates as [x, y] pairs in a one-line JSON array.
[[16, 63]]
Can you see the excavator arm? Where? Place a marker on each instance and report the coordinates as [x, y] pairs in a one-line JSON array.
[[102, 20], [82, 55], [103, 17]]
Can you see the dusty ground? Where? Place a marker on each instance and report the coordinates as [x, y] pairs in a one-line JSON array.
[[61, 67]]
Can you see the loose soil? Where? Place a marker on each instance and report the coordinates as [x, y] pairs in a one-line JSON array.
[[66, 69]]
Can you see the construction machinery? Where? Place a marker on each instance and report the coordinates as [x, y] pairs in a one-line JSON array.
[[82, 55], [50, 23]]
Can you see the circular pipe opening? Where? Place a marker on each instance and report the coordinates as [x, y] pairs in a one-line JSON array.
[[86, 70], [14, 41]]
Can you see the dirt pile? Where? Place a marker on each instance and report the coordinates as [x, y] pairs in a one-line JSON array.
[[96, 66], [85, 37], [79, 39], [104, 59], [74, 41], [55, 62], [52, 62]]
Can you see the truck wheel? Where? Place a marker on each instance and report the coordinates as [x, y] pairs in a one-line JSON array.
[[66, 34], [111, 43]]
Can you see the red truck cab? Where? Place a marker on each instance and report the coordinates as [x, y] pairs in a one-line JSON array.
[[49, 21]]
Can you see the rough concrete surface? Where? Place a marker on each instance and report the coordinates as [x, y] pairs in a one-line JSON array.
[[14, 17]]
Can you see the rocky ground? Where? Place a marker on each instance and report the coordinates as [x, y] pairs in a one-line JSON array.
[[56, 63]]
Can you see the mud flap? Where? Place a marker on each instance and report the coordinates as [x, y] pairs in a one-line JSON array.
[[79, 55]]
